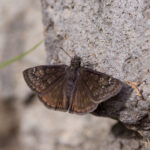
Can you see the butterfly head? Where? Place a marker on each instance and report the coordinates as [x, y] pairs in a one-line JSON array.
[[76, 62]]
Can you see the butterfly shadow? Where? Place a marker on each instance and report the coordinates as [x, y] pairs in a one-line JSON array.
[[113, 106], [120, 131]]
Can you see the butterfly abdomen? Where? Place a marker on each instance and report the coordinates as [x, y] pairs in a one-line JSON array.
[[71, 79]]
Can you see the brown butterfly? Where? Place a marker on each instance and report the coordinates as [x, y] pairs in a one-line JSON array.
[[71, 88]]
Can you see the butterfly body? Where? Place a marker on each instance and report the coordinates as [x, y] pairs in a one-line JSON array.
[[71, 88]]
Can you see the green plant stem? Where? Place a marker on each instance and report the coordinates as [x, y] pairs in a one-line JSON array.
[[6, 63]]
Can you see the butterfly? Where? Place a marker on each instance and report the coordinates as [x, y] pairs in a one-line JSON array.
[[71, 88]]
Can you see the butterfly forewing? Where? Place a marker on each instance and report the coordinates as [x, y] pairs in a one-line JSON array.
[[81, 100], [55, 97], [100, 85], [40, 78]]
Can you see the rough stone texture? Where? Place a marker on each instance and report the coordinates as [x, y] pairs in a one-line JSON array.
[[111, 35], [114, 36]]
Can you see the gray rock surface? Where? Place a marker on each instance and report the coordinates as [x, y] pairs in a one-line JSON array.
[[112, 35]]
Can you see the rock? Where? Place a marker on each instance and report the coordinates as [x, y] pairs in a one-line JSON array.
[[113, 36]]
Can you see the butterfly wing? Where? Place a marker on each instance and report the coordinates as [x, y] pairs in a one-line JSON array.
[[55, 97], [40, 78], [81, 100], [49, 83], [100, 85]]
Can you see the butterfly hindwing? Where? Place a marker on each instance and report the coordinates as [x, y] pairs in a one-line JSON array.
[[55, 97], [100, 85], [81, 100], [40, 78]]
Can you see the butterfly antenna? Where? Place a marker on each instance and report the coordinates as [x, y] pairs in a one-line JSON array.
[[65, 52]]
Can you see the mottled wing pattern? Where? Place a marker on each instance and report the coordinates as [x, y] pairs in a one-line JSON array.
[[100, 85], [81, 100], [55, 97], [49, 83], [40, 78]]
